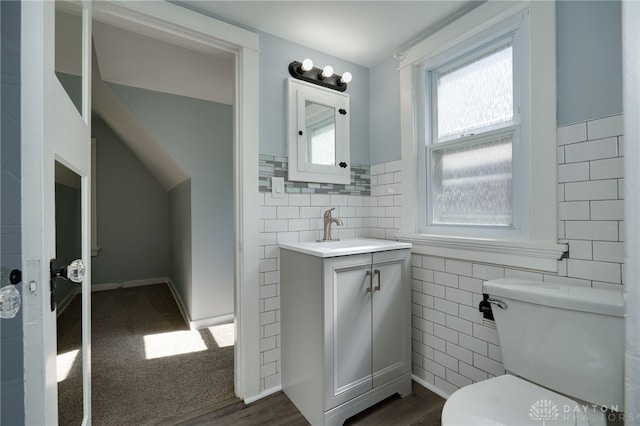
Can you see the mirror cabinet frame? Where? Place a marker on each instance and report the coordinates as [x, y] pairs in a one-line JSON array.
[[300, 169]]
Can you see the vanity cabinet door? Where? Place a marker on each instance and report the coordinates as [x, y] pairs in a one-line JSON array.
[[347, 323], [391, 315]]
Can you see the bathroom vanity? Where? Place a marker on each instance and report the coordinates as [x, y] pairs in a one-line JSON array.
[[345, 325]]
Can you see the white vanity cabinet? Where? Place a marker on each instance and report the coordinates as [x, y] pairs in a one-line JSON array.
[[345, 331]]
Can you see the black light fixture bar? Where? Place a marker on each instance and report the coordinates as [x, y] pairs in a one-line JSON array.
[[314, 75]]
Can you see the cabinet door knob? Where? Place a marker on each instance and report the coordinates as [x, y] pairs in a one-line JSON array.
[[370, 288]]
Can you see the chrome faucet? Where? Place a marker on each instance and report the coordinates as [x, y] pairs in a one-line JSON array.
[[328, 220]]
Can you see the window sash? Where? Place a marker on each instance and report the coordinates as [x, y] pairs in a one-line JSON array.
[[470, 142], [469, 62]]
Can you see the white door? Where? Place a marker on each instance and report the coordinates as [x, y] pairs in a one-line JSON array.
[[391, 315], [347, 309], [56, 125]]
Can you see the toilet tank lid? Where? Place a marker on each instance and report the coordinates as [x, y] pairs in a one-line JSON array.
[[605, 301]]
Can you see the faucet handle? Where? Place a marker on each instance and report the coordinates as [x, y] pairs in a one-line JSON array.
[[327, 213]]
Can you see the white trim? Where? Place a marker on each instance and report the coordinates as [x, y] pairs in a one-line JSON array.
[[105, 286], [179, 302], [94, 209], [211, 321], [631, 108], [128, 284], [476, 21], [175, 24], [537, 255], [164, 21], [542, 127], [429, 386], [263, 394]]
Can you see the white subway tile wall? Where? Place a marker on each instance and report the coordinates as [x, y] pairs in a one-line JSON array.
[[453, 345]]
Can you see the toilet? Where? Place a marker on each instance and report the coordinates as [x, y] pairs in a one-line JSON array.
[[563, 348]]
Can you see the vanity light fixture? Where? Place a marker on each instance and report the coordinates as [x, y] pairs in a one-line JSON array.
[[325, 77]]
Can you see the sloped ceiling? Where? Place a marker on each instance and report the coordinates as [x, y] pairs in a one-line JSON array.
[[130, 59], [140, 141]]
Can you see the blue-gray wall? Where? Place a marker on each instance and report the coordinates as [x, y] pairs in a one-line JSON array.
[[198, 135], [275, 56], [11, 359], [132, 211], [589, 70], [385, 112], [589, 59]]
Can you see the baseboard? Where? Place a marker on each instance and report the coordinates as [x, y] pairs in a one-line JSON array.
[[429, 386], [105, 286], [180, 303], [201, 323], [211, 321], [263, 394], [128, 284], [145, 281]]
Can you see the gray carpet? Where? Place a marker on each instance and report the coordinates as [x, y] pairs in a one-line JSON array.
[[187, 371]]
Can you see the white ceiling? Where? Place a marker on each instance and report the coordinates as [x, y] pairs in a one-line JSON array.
[[363, 32]]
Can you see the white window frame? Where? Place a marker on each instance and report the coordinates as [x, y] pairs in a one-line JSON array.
[[514, 30], [533, 243]]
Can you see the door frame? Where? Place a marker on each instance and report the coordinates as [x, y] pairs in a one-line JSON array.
[[169, 22], [52, 130], [172, 23]]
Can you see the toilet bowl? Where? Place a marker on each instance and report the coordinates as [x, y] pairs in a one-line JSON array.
[[564, 342], [509, 400]]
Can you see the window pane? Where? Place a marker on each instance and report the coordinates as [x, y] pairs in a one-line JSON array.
[[475, 94], [472, 185]]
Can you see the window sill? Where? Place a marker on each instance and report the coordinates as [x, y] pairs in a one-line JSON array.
[[528, 254]]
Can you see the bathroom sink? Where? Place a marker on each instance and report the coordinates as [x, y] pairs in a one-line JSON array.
[[344, 247]]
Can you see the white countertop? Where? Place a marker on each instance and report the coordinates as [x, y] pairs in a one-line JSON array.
[[344, 247]]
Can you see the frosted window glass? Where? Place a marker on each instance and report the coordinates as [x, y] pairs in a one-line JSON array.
[[473, 185], [475, 94]]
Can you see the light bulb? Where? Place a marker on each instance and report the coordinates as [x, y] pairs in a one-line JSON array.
[[327, 71], [346, 78], [307, 65]]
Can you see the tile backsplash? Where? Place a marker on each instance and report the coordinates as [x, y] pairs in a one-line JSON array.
[[274, 165]]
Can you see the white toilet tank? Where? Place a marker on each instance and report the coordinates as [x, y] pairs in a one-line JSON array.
[[568, 338]]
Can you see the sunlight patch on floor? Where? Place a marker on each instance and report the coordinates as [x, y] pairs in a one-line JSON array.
[[223, 334], [173, 343], [65, 362]]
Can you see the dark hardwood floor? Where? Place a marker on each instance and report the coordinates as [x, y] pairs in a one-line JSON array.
[[421, 408]]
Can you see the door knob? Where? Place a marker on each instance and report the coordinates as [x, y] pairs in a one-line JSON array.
[[72, 272], [9, 294]]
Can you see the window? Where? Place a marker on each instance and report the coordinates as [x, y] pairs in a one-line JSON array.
[[473, 120], [478, 135]]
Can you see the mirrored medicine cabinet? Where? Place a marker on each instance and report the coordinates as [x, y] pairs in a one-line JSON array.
[[318, 134]]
